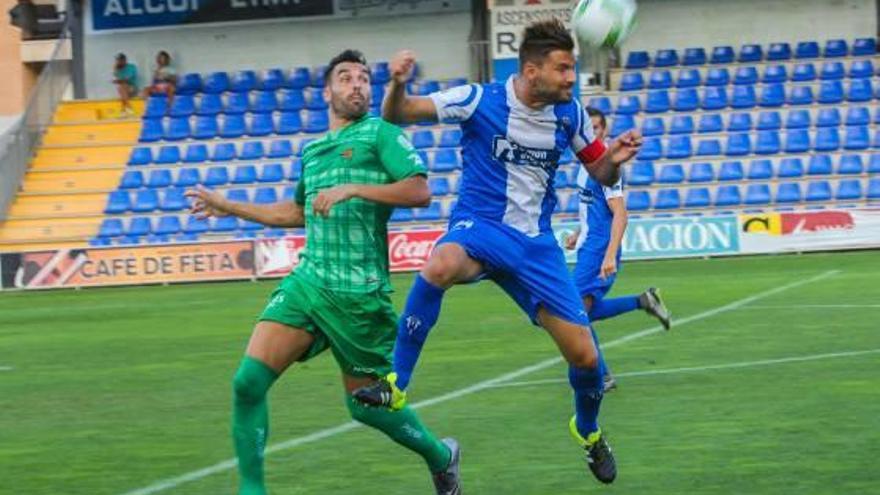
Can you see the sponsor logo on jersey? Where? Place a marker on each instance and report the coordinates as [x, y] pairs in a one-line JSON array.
[[507, 151]]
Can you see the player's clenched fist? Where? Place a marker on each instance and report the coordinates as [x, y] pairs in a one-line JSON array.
[[402, 65]]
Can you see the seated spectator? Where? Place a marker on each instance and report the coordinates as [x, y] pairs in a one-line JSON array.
[[164, 78], [125, 79]]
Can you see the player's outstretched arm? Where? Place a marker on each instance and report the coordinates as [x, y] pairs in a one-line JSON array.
[[208, 203], [398, 107], [409, 192], [606, 169]]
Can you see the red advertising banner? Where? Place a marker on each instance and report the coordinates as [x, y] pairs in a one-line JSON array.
[[810, 230]]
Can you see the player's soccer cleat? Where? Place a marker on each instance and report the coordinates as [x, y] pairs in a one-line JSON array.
[[382, 393], [599, 457], [609, 383], [652, 303], [448, 482]]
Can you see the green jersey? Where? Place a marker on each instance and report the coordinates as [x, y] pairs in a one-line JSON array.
[[348, 250]]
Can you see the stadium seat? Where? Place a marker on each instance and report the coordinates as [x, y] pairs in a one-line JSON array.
[[858, 116], [797, 141], [159, 178], [828, 117], [688, 78], [857, 138], [831, 71], [244, 174], [602, 103], [379, 73], [641, 174], [432, 213], [775, 74], [151, 131], [263, 102], [167, 225], [864, 46], [851, 165], [216, 82], [760, 170], [233, 126], [836, 48], [772, 95], [402, 215], [262, 124], [316, 122], [118, 202], [302, 145], [818, 191], [739, 121], [874, 164], [652, 149], [280, 148], [440, 185], [651, 126], [738, 144], [686, 100], [769, 120], [173, 199], [859, 90], [779, 51], [746, 75], [656, 102], [831, 92], [679, 147], [710, 122], [196, 153], [251, 150], [671, 174], [292, 100], [145, 201], [694, 56], [666, 58], [718, 76], [722, 55], [289, 123], [155, 107], [697, 198], [224, 152], [129, 240], [800, 95], [701, 172], [750, 53], [110, 227], [757, 194], [803, 72], [209, 104], [216, 176], [876, 142], [728, 196], [767, 143], [265, 195], [298, 78], [189, 84], [681, 124], [788, 192], [314, 99], [791, 167], [619, 125], [627, 105], [140, 156], [240, 195], [709, 147], [667, 199], [797, 119], [873, 188], [224, 224], [660, 79], [100, 242], [714, 98], [423, 139], [807, 49], [183, 106], [446, 160], [860, 69], [270, 173], [206, 127], [819, 165], [186, 237], [638, 201], [243, 81], [851, 189], [451, 138], [131, 179], [236, 103], [827, 139], [743, 97], [295, 169], [188, 177]]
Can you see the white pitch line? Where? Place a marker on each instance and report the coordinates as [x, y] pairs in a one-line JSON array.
[[726, 366], [226, 465], [818, 306], [6, 368]]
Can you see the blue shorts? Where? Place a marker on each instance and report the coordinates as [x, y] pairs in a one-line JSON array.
[[587, 270], [532, 270]]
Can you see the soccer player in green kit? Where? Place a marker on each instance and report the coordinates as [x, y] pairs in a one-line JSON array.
[[337, 298]]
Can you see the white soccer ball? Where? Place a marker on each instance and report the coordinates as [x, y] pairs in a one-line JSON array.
[[603, 23]]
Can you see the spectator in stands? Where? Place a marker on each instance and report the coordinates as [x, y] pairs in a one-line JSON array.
[[164, 78], [125, 79]]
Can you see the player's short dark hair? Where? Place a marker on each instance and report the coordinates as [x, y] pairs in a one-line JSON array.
[[348, 55], [542, 37], [595, 112]]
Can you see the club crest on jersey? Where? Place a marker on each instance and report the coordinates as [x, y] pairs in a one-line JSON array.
[[347, 154], [507, 151]]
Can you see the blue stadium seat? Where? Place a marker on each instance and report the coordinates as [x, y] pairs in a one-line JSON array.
[[694, 56], [167, 225], [145, 201], [216, 176], [660, 79], [189, 84], [240, 195], [298, 78], [688, 78], [423, 139], [788, 192], [797, 141], [233, 126], [864, 46], [797, 119], [697, 198], [671, 174], [118, 202], [728, 196], [710, 122], [746, 75], [779, 51], [686, 100], [807, 49], [183, 106], [656, 101], [440, 185], [225, 224], [831, 92], [718, 76], [140, 156], [832, 70], [818, 191], [173, 199], [714, 98], [679, 147], [265, 195], [236, 103], [206, 127], [667, 199], [602, 103], [819, 165], [244, 81], [701, 172], [626, 105], [289, 123], [722, 55], [739, 121], [743, 97], [775, 74], [804, 72], [186, 237], [292, 100], [432, 213], [280, 148], [873, 188], [859, 90], [767, 143], [876, 142], [827, 139], [851, 189], [251, 150], [800, 95], [209, 104], [446, 160], [619, 125], [139, 226], [681, 124], [638, 201], [874, 164], [751, 53], [451, 138], [851, 165], [196, 153], [262, 124], [651, 126], [858, 116], [295, 169], [632, 81], [303, 143], [666, 58], [738, 144], [156, 107], [159, 178], [652, 149], [263, 102], [790, 167], [288, 193], [129, 240], [188, 177], [836, 48], [272, 172], [244, 174], [316, 122], [151, 130], [224, 152], [769, 120], [379, 73], [100, 242], [828, 117], [641, 174], [857, 138], [131, 179], [709, 147], [314, 99], [757, 194], [760, 170], [772, 95], [216, 82], [110, 227], [861, 69], [402, 215]]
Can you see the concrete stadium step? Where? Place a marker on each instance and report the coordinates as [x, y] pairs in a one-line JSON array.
[[51, 230], [67, 158], [92, 111], [86, 181], [92, 134], [55, 206], [41, 246]]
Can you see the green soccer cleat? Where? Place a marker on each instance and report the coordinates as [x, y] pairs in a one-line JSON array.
[[652, 303], [600, 460], [382, 393]]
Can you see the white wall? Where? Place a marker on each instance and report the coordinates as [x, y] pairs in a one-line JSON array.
[[440, 41], [708, 23]]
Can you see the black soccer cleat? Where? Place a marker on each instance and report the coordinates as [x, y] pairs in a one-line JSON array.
[[448, 481], [600, 460], [652, 303], [382, 393]]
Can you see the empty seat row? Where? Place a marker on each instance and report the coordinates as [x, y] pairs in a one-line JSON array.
[[220, 152], [233, 126], [212, 176], [213, 104], [271, 79]]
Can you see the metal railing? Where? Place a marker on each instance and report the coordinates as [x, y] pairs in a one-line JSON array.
[[18, 144]]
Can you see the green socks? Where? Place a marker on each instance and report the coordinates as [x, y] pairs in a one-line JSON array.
[[250, 423], [405, 428]]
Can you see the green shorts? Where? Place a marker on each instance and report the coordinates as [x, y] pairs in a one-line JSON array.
[[359, 328]]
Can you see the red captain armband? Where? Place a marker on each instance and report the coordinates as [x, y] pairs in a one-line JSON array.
[[592, 152]]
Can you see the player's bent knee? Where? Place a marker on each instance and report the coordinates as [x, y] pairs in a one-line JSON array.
[[247, 388], [441, 270], [586, 358]]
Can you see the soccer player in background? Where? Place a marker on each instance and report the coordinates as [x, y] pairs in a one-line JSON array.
[[603, 219], [513, 134], [337, 298]]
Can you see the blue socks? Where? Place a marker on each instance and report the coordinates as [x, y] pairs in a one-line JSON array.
[[588, 392], [419, 316], [609, 308]]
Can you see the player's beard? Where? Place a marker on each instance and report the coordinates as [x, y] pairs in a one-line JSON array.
[[348, 109], [550, 94]]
